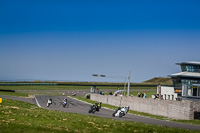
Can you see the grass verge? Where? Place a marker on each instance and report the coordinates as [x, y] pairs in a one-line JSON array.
[[14, 94], [64, 87]]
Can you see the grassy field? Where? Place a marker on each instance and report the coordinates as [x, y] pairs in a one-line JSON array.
[[64, 87], [132, 90], [14, 94], [20, 117]]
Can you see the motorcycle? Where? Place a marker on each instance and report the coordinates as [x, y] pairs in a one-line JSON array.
[[121, 111], [49, 102], [65, 104], [95, 108]]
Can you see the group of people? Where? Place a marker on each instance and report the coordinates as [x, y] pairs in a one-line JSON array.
[[101, 93], [142, 95]]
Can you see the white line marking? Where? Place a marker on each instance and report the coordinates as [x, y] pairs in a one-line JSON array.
[[37, 101]]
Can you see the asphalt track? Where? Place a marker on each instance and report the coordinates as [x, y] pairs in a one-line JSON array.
[[81, 107]]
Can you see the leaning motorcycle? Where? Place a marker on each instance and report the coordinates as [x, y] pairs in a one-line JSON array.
[[95, 108], [65, 104], [121, 111], [49, 102]]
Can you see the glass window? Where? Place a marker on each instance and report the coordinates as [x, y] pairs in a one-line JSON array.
[[194, 89], [190, 68]]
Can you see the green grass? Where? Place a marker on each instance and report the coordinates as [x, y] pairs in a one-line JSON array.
[[63, 87], [14, 94], [20, 117]]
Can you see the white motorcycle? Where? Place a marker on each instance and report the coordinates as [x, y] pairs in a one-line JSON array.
[[49, 102], [121, 111]]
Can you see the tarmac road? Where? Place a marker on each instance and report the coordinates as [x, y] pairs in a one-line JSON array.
[[83, 108]]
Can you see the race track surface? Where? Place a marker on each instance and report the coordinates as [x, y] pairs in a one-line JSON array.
[[83, 108]]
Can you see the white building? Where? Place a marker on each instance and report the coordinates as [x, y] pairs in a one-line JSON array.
[[186, 84], [167, 93]]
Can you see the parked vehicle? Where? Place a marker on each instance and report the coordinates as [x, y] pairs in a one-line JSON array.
[[121, 111]]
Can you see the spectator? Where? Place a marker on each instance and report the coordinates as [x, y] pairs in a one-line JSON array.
[[138, 94], [145, 95], [142, 94]]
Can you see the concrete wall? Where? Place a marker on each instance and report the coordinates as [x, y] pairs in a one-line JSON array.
[[173, 109]]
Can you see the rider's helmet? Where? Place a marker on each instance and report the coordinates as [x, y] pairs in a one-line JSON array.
[[127, 107]]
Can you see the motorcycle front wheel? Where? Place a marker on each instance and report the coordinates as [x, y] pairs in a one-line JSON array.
[[113, 114], [121, 114], [90, 111], [93, 111]]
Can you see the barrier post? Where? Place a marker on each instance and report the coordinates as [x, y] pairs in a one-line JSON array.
[[0, 100]]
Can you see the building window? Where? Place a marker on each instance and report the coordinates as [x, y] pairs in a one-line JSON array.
[[194, 90]]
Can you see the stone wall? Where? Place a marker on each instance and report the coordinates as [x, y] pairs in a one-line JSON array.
[[173, 109]]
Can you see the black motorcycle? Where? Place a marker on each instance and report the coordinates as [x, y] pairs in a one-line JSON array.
[[95, 108]]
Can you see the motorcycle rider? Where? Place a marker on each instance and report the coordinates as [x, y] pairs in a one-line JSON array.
[[121, 111], [64, 101], [98, 106], [49, 101], [95, 107]]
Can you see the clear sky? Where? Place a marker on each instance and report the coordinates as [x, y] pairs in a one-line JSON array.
[[70, 40]]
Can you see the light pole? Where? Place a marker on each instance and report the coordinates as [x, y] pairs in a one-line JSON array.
[[102, 75], [129, 77]]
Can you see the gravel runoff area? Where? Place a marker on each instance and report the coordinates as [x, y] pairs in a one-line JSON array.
[[81, 107]]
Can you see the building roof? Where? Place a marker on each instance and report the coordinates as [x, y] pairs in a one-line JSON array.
[[189, 63], [186, 74]]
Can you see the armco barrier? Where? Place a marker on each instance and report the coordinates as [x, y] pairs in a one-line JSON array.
[[173, 109]]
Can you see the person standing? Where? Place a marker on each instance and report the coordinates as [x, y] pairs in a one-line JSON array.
[[145, 96], [142, 94], [138, 94]]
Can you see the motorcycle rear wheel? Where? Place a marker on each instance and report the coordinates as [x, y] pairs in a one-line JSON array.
[[121, 114], [113, 114]]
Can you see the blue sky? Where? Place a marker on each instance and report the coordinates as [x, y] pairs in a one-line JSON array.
[[70, 40]]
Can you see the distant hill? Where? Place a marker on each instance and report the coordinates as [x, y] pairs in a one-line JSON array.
[[161, 80]]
